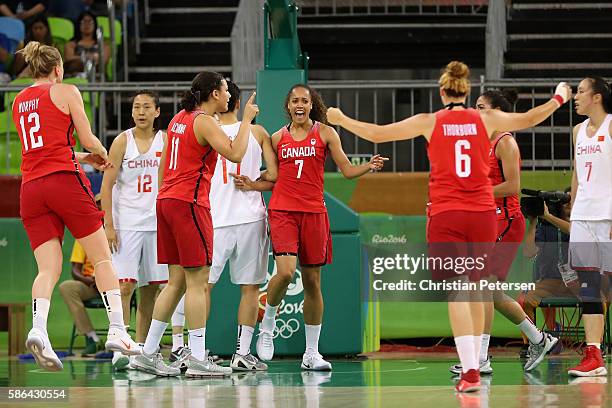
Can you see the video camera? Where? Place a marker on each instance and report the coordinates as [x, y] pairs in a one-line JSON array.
[[533, 205]]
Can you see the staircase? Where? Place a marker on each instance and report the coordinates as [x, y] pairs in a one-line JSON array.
[[185, 37], [559, 39]]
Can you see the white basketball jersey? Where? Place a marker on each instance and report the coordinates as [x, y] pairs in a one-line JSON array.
[[228, 205], [135, 191], [594, 172]]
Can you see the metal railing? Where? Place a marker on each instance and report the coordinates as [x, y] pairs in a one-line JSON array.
[[381, 7], [547, 146]]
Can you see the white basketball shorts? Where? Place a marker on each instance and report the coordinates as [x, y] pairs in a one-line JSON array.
[[136, 260], [246, 248], [590, 246]]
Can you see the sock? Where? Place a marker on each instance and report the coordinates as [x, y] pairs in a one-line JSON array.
[[465, 349], [269, 320], [92, 335], [156, 331], [40, 312], [594, 344], [533, 334], [114, 308], [197, 342], [312, 337], [484, 347], [245, 335], [178, 317], [477, 347], [177, 341]]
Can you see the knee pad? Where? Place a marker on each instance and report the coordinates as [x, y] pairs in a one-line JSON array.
[[592, 308]]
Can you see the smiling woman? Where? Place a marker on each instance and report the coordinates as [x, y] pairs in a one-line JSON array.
[[299, 225]]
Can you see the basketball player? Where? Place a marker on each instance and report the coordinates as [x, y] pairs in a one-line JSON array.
[[129, 191], [462, 204], [55, 193], [590, 250], [505, 174], [299, 225], [184, 225]]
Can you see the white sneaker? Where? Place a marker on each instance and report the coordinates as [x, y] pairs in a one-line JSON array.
[[485, 367], [265, 345], [39, 345], [120, 362], [313, 361], [119, 340], [247, 363], [206, 368]]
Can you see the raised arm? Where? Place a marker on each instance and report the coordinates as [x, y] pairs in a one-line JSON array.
[[409, 128], [207, 131], [496, 120], [347, 169], [507, 151], [115, 156]]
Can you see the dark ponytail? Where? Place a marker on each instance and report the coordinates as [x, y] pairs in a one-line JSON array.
[[602, 87], [503, 100], [201, 87]]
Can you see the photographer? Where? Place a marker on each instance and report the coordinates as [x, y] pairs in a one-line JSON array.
[[547, 241]]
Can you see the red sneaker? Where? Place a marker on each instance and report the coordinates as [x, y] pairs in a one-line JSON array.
[[469, 381], [592, 364]]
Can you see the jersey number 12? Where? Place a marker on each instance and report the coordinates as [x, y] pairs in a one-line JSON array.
[[34, 123]]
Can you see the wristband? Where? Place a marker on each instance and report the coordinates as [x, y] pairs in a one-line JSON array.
[[559, 99]]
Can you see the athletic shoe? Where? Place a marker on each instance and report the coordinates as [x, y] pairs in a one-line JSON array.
[[265, 345], [313, 361], [592, 364], [247, 363], [206, 368], [119, 340], [154, 364], [39, 345], [179, 357], [216, 358], [120, 362], [91, 347], [469, 381], [538, 351], [485, 367]]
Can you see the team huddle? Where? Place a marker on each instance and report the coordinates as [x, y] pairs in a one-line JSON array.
[[179, 206]]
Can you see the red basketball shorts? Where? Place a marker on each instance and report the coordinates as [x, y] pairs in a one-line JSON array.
[[184, 234], [58, 200], [510, 235], [302, 234], [461, 241]]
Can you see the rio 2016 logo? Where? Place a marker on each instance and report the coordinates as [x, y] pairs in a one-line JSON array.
[[286, 322]]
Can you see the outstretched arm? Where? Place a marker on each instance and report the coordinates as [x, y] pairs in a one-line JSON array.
[[417, 125], [344, 165]]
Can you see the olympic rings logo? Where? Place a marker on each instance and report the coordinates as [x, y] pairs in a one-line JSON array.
[[286, 329]]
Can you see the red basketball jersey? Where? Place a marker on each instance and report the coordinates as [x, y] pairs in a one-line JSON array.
[[508, 206], [46, 134], [299, 186], [459, 156], [189, 165]]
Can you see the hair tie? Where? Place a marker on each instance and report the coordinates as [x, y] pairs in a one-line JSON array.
[[196, 95]]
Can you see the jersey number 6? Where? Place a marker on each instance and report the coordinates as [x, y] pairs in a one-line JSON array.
[[463, 162]]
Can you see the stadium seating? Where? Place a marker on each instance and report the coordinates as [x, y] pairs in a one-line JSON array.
[[62, 31]]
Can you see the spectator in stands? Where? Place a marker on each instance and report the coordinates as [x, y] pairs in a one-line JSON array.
[[38, 30], [24, 10], [82, 52], [82, 287], [547, 240], [6, 59]]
